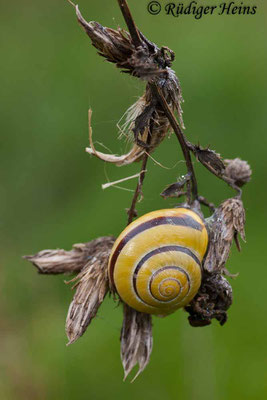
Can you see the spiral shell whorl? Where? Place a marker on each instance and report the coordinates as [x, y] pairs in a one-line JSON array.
[[155, 264]]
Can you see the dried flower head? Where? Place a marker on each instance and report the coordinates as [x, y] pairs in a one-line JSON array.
[[145, 120], [238, 170]]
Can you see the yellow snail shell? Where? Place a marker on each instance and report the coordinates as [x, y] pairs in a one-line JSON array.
[[155, 264]]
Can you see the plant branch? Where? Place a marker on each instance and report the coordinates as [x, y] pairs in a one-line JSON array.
[[180, 136], [206, 203]]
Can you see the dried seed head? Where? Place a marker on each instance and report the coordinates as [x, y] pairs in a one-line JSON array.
[[224, 226], [136, 340], [238, 170]]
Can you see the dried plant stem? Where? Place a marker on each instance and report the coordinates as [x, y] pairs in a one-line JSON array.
[[130, 23], [180, 136], [131, 212], [206, 203]]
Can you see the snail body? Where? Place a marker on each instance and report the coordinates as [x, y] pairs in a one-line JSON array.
[[155, 263]]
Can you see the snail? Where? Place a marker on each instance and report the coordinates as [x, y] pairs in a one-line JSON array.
[[155, 263]]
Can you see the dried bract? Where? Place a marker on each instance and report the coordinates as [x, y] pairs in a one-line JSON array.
[[227, 222], [91, 287], [210, 159], [238, 170], [136, 340], [62, 262], [176, 189]]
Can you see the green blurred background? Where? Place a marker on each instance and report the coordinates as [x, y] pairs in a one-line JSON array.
[[51, 197]]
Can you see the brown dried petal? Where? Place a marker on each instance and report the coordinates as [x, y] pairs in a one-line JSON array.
[[91, 287], [136, 340], [61, 261], [238, 170], [233, 213], [115, 46], [226, 223]]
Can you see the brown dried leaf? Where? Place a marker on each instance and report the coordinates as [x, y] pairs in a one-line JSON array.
[[136, 340], [226, 223], [61, 261], [91, 287]]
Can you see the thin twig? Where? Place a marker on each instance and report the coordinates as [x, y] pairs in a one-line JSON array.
[[206, 203], [130, 22], [177, 130], [137, 42], [109, 184], [131, 212]]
